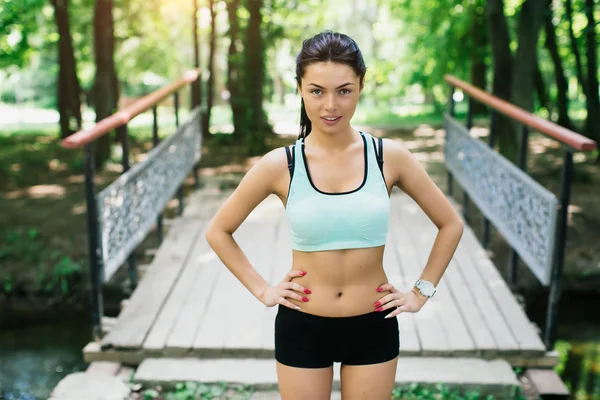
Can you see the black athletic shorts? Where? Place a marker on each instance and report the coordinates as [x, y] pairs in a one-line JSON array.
[[311, 341]]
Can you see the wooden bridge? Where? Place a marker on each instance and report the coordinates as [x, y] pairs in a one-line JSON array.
[[189, 305]]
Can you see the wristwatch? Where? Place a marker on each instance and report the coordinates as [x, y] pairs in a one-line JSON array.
[[425, 287]]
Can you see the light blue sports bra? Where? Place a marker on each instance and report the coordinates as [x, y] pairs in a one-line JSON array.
[[322, 221]]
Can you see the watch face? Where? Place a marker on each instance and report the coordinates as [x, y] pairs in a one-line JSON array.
[[426, 288]]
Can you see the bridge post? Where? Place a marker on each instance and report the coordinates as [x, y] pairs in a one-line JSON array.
[[180, 190], [96, 274], [131, 260], [561, 243], [452, 113], [491, 143], [469, 125], [155, 141], [522, 164], [470, 114]]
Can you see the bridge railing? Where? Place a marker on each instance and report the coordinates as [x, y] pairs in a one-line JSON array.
[[532, 219], [120, 216]]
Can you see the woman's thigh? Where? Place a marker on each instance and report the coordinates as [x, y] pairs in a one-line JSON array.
[[304, 383], [368, 382]]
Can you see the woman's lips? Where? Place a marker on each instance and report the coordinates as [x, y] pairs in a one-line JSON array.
[[331, 122]]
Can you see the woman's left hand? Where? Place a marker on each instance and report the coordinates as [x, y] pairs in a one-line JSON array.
[[398, 301]]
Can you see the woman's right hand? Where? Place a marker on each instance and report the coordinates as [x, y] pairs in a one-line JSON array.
[[285, 289]]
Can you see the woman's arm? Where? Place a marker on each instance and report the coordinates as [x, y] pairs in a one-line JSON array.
[[258, 183], [410, 176]]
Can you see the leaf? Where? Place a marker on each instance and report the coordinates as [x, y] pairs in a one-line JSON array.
[[150, 394]]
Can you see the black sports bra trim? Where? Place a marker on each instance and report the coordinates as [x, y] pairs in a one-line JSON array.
[[379, 155], [290, 159], [339, 193]]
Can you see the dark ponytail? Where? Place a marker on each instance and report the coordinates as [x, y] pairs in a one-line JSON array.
[[305, 123], [324, 47]]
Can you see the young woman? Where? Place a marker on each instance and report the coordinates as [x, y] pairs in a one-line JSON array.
[[335, 304]]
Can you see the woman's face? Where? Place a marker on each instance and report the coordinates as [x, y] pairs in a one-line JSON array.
[[330, 92]]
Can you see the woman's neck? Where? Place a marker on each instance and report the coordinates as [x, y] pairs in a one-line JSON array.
[[338, 141]]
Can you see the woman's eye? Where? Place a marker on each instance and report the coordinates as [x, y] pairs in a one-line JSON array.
[[343, 91]]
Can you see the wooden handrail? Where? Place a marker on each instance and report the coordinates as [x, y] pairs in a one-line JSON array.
[[563, 135], [122, 117]]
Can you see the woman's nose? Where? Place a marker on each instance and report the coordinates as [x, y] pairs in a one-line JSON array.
[[330, 105]]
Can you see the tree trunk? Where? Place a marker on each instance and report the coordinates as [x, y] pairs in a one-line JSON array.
[[562, 86], [258, 127], [235, 73], [105, 85], [502, 82], [68, 87], [281, 89], [210, 82], [372, 18], [478, 67], [196, 87], [523, 82], [593, 101], [574, 47], [540, 87]]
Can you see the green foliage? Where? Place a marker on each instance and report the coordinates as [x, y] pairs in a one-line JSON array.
[[442, 36], [18, 23], [194, 390], [27, 246], [64, 268], [442, 391], [563, 349], [21, 244], [27, 159]]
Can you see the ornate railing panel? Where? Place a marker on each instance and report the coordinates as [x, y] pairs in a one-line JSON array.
[[128, 207], [520, 208]]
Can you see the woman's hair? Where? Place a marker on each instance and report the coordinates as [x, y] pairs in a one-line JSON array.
[[324, 47]]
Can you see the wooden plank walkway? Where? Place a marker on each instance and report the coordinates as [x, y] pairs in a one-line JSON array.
[[189, 304]]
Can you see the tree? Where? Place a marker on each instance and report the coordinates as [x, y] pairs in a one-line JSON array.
[[211, 72], [513, 77], [68, 87], [196, 87], [593, 100], [258, 127], [443, 37], [559, 72], [478, 52], [105, 91], [235, 72], [18, 17]]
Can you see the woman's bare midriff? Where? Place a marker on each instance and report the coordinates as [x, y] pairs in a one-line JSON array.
[[343, 282]]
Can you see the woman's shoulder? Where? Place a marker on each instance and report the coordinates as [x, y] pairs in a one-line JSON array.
[[394, 146], [391, 147], [275, 161]]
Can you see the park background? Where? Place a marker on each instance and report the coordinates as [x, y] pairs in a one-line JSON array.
[[65, 64]]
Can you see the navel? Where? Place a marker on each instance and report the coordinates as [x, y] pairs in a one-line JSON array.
[[340, 294]]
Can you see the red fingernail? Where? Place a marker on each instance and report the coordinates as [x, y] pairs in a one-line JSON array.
[[377, 304], [379, 309], [307, 291], [302, 273], [379, 289], [304, 299]]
